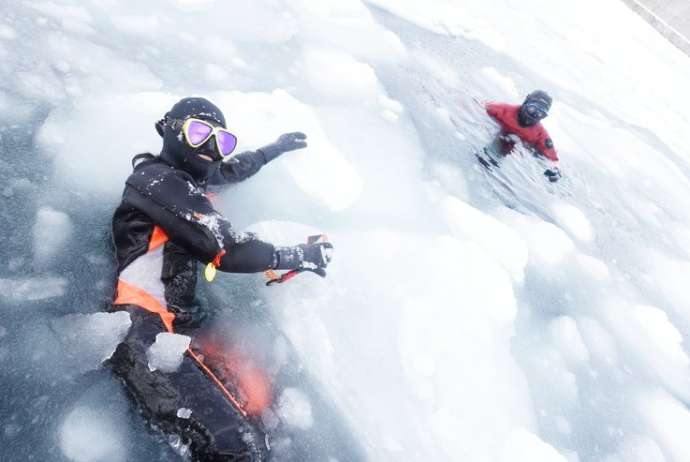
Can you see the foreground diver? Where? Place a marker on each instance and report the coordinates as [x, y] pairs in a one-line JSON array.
[[524, 122], [164, 227]]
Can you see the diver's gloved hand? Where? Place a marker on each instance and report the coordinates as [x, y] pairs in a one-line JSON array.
[[553, 174], [308, 257], [316, 257], [284, 143], [510, 138]]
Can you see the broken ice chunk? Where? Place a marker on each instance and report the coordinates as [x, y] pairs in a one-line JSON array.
[[294, 409], [167, 352], [90, 339]]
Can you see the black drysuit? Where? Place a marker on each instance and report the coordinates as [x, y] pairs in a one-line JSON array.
[[164, 227]]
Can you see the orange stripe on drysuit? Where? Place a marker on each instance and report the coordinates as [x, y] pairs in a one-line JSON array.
[[218, 257], [217, 381], [158, 238], [250, 383], [127, 294]]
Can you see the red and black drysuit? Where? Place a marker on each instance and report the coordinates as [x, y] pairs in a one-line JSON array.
[[507, 115], [164, 227], [534, 135]]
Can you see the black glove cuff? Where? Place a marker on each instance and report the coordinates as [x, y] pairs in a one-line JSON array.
[[553, 174], [287, 258]]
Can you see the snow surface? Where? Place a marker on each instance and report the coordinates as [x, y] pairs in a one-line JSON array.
[[467, 315]]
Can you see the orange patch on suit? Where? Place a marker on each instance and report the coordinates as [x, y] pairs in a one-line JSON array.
[[250, 382]]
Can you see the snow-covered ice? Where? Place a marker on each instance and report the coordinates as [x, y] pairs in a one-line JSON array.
[[524, 445], [495, 237], [7, 33], [573, 221]]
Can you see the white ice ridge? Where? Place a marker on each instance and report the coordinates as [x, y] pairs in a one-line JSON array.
[[167, 352]]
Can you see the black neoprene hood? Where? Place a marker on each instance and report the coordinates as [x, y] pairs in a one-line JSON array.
[[539, 99], [177, 152]]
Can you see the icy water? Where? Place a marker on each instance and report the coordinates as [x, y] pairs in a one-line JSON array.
[[468, 315], [561, 303]]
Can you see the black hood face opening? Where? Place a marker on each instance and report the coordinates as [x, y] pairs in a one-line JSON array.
[[175, 149], [525, 119], [535, 108]]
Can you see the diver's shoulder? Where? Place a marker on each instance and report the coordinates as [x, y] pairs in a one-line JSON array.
[[153, 169]]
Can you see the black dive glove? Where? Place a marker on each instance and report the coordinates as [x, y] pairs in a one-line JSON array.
[[553, 174], [284, 143], [307, 257]]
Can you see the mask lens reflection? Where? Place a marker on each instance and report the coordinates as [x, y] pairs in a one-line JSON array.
[[197, 132], [226, 142], [534, 112]]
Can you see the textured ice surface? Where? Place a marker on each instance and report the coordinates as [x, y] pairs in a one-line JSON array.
[[7, 33], [18, 291], [638, 449], [167, 352], [524, 445], [52, 231], [493, 236], [573, 221], [486, 316], [327, 178], [89, 435]]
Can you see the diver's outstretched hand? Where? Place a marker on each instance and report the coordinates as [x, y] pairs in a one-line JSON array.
[[316, 257], [553, 174], [292, 141], [285, 143]]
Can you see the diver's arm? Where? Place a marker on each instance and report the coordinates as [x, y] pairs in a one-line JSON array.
[[239, 168], [189, 219], [246, 164], [553, 173], [546, 148]]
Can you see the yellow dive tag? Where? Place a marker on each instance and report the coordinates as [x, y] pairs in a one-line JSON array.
[[210, 272]]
